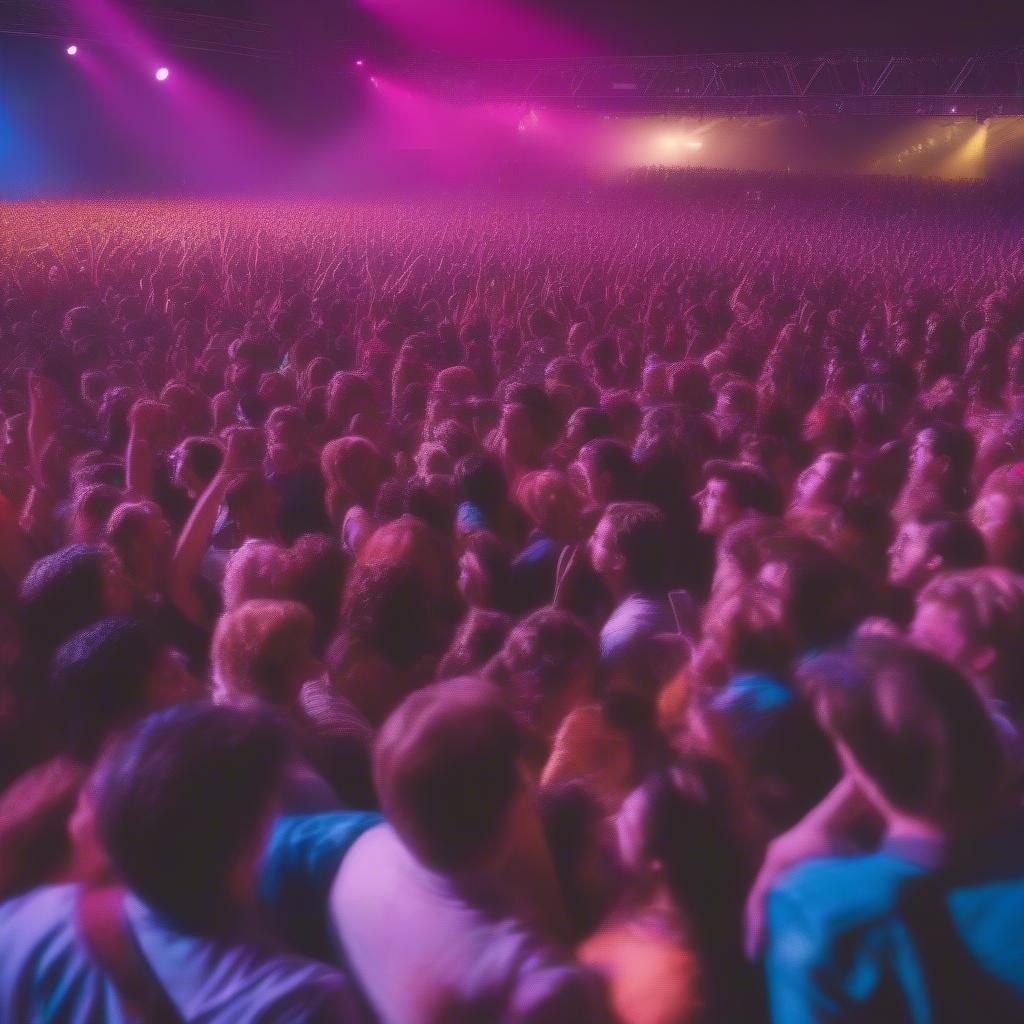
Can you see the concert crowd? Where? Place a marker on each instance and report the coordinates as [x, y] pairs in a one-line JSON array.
[[585, 607]]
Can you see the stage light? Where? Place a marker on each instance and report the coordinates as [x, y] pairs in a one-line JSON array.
[[374, 81], [162, 74], [694, 144], [360, 62], [71, 50]]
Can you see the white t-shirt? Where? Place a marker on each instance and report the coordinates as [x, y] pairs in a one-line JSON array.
[[425, 953]]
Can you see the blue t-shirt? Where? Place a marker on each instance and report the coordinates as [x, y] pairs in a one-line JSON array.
[[847, 942], [47, 975], [303, 856]]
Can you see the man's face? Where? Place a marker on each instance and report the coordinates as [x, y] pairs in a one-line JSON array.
[[718, 510], [604, 552], [908, 557], [941, 630]]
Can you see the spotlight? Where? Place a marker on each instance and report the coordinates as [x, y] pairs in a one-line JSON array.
[[694, 144], [360, 62], [162, 74], [71, 50], [374, 81]]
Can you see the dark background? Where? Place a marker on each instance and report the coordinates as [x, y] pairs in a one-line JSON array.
[[692, 26], [55, 138]]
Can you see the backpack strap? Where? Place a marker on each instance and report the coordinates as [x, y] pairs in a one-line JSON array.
[[108, 936]]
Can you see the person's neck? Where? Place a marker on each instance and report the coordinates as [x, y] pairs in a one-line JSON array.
[[619, 587]]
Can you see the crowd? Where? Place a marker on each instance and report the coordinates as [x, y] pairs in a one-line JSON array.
[[602, 607]]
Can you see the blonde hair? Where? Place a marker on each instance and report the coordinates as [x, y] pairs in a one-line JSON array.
[[256, 648], [259, 568]]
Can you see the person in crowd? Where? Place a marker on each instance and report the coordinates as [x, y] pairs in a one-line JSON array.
[[485, 572], [633, 457], [109, 676], [159, 932], [932, 544], [912, 929], [733, 491], [629, 550], [463, 839], [975, 620], [672, 948]]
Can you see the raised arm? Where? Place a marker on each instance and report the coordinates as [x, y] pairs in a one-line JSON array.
[[139, 456], [195, 535]]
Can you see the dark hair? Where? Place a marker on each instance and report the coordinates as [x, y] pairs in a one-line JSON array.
[[482, 481], [573, 822], [318, 567], [534, 399], [179, 801], [389, 606], [493, 558], [424, 502], [607, 457], [953, 442], [751, 487], [98, 682], [476, 641], [955, 539], [825, 595], [62, 593], [642, 538], [686, 830], [536, 661], [590, 424], [787, 763], [202, 456], [446, 764], [914, 725]]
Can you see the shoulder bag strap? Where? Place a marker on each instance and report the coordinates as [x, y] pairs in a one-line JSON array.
[[107, 933]]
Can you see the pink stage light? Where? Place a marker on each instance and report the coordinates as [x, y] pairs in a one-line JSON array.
[[162, 74], [71, 50], [360, 62]]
